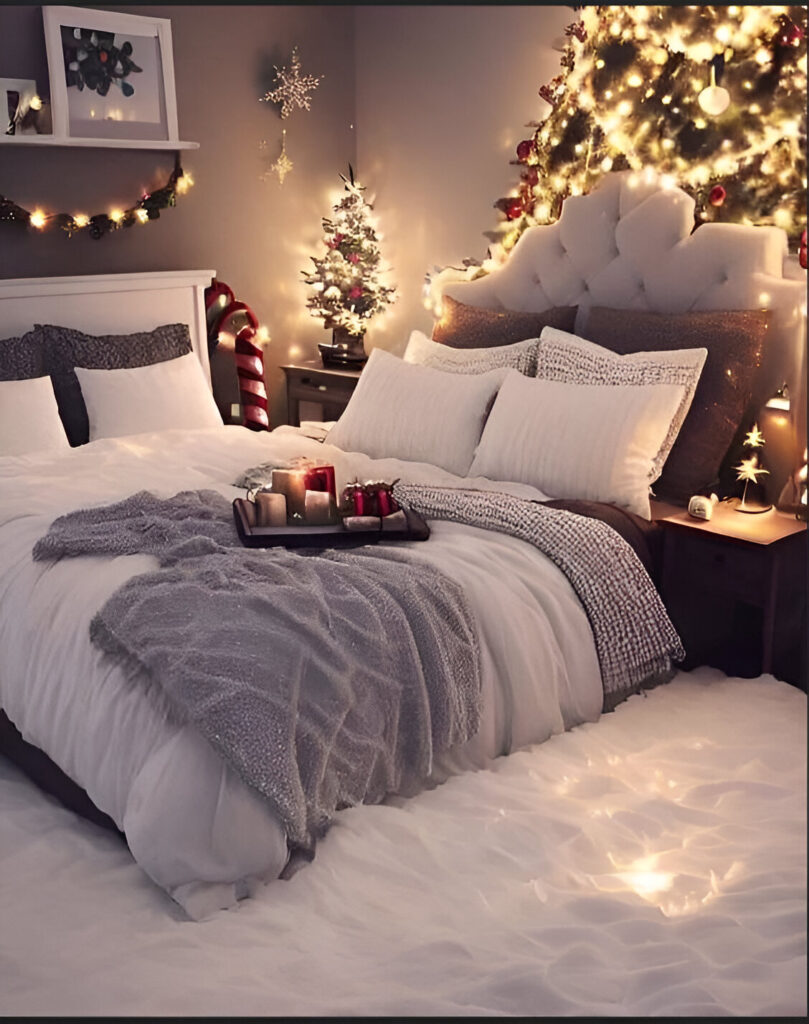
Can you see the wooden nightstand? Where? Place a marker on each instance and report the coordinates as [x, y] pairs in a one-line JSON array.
[[313, 382], [735, 588]]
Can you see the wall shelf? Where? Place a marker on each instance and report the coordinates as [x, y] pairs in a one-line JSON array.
[[54, 140]]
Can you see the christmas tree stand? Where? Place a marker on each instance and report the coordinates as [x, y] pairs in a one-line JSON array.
[[345, 351]]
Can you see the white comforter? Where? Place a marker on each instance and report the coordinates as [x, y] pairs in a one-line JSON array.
[[190, 822]]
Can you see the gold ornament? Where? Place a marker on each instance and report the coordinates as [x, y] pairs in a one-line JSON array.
[[283, 165]]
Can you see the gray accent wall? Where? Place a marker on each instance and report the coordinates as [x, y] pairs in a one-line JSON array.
[[427, 103], [444, 94]]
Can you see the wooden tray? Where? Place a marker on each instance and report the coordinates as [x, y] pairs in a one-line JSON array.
[[322, 536]]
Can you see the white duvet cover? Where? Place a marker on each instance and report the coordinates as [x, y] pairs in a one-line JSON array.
[[190, 822]]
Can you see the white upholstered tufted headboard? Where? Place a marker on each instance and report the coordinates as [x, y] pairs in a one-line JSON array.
[[629, 245]]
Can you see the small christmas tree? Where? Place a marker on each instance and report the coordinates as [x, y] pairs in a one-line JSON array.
[[346, 279], [713, 97]]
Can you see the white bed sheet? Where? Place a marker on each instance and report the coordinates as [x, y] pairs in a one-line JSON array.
[[190, 822]]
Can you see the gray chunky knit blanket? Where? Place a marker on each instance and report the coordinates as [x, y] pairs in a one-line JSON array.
[[633, 634], [325, 678]]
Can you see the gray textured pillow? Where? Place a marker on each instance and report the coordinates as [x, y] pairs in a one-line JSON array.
[[65, 348], [463, 326], [21, 358], [521, 355]]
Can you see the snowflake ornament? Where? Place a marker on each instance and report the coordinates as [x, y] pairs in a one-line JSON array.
[[293, 88]]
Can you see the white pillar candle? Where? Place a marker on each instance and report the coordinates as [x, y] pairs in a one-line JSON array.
[[320, 508], [290, 482], [271, 509]]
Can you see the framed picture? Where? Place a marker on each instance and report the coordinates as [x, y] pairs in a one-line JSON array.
[[19, 104], [111, 75]]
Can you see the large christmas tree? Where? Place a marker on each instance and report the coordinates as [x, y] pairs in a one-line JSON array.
[[713, 97]]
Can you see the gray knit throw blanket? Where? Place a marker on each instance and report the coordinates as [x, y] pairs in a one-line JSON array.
[[325, 678], [634, 637]]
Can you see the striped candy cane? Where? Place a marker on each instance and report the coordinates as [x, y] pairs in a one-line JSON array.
[[236, 318]]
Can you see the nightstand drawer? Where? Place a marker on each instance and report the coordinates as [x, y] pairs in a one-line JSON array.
[[328, 388], [728, 568], [313, 388]]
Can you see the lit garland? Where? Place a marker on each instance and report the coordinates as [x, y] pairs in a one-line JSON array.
[[635, 91], [345, 280], [147, 208]]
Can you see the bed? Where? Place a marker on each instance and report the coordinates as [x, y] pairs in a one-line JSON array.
[[191, 822]]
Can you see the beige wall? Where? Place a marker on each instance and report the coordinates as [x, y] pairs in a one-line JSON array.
[[439, 95], [443, 98]]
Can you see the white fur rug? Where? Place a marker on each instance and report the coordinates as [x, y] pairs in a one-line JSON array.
[[651, 864]]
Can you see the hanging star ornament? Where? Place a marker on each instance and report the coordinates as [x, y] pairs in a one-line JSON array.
[[283, 165], [293, 88], [754, 439]]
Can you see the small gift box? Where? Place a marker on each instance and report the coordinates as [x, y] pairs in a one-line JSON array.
[[373, 498]]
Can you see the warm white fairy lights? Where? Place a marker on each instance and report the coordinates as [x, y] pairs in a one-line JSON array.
[[636, 92], [346, 279]]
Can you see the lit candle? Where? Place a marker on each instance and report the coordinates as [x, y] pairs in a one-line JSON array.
[[290, 482], [271, 509], [320, 509]]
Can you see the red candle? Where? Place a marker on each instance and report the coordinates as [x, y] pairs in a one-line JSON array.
[[321, 478]]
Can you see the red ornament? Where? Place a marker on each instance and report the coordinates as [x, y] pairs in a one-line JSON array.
[[354, 257], [791, 35], [531, 176], [513, 208], [578, 30], [802, 250], [524, 149], [717, 195], [355, 293]]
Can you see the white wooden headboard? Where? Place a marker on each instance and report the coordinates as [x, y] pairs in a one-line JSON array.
[[629, 245], [110, 304]]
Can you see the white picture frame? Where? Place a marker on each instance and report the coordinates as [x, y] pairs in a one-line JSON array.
[[107, 98], [26, 90]]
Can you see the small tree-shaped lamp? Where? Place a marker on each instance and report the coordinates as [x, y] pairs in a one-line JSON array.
[[749, 470], [346, 279]]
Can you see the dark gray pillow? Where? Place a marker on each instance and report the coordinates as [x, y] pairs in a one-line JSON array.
[[64, 348], [21, 358], [734, 340]]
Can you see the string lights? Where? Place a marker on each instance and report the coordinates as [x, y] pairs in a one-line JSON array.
[[632, 95], [147, 208]]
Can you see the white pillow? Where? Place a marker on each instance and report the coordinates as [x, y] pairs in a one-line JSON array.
[[592, 441], [522, 356], [402, 411], [170, 394], [29, 417], [566, 357]]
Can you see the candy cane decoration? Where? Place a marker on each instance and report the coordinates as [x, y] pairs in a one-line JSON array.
[[228, 316]]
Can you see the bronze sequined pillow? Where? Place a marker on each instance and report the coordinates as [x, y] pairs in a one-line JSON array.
[[734, 340], [462, 326]]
